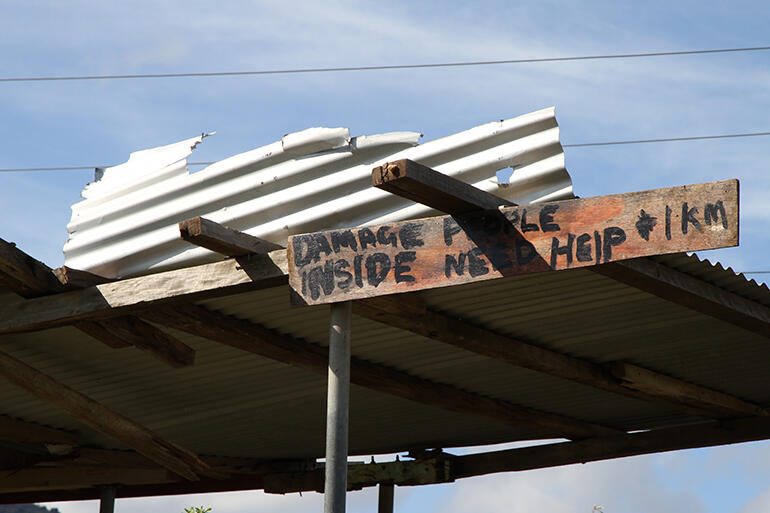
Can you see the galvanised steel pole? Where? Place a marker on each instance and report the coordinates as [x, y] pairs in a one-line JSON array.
[[107, 502], [338, 399], [385, 498]]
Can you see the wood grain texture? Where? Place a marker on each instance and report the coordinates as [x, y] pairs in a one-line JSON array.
[[340, 265], [691, 292], [256, 339], [422, 184], [620, 446], [617, 377], [17, 430], [220, 239], [57, 394], [146, 292]]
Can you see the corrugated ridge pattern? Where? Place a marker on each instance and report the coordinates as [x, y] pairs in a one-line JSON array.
[[272, 194]]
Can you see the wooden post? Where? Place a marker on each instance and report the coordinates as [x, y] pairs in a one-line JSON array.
[[336, 471], [385, 502], [107, 502]]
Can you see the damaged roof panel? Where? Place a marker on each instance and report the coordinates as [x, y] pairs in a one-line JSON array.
[[310, 180]]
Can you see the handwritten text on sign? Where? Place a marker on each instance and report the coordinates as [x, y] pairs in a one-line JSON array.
[[340, 265]]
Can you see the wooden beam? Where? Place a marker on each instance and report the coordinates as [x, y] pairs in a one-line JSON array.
[[422, 184], [399, 473], [691, 292], [29, 432], [619, 446], [147, 337], [220, 239], [78, 279], [342, 265], [102, 419], [146, 292], [256, 339], [30, 278], [25, 275], [409, 313]]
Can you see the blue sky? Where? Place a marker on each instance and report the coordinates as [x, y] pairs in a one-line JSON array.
[[101, 122]]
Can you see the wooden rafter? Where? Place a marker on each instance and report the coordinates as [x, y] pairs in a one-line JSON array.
[[691, 292], [31, 278], [422, 184], [256, 339], [17, 430], [409, 313], [226, 241], [146, 292], [106, 421]]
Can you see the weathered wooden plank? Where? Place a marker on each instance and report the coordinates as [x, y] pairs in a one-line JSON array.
[[340, 265], [28, 432], [136, 294], [148, 338], [399, 473], [407, 312], [422, 184], [226, 241], [25, 275], [691, 292], [30, 278], [619, 446], [256, 339], [78, 279], [57, 394]]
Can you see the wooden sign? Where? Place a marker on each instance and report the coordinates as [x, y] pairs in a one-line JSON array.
[[340, 265]]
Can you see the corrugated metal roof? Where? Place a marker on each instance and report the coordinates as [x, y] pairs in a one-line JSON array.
[[236, 403], [311, 180]]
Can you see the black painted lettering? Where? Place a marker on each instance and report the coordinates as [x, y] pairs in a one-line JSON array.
[[512, 216], [525, 251], [410, 234], [458, 264], [668, 222], [377, 268], [304, 283], [451, 228], [341, 274], [401, 268], [546, 218], [566, 250], [385, 238], [308, 248], [598, 245], [343, 239], [713, 211], [321, 278], [525, 226], [583, 249], [365, 236], [688, 217], [477, 266], [613, 236], [357, 274]]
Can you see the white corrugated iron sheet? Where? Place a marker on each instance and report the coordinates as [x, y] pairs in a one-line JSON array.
[[311, 180]]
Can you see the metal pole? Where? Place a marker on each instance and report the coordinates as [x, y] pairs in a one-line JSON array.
[[385, 502], [107, 502], [336, 471]]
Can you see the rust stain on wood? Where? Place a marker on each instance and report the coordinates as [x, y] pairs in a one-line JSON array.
[[340, 265]]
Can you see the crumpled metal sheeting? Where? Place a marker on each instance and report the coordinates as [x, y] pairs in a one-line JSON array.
[[312, 180]]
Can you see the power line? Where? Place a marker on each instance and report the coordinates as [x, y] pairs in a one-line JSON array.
[[669, 139], [576, 145], [376, 68]]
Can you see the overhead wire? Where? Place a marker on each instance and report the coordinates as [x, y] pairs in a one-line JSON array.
[[379, 67], [573, 145]]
